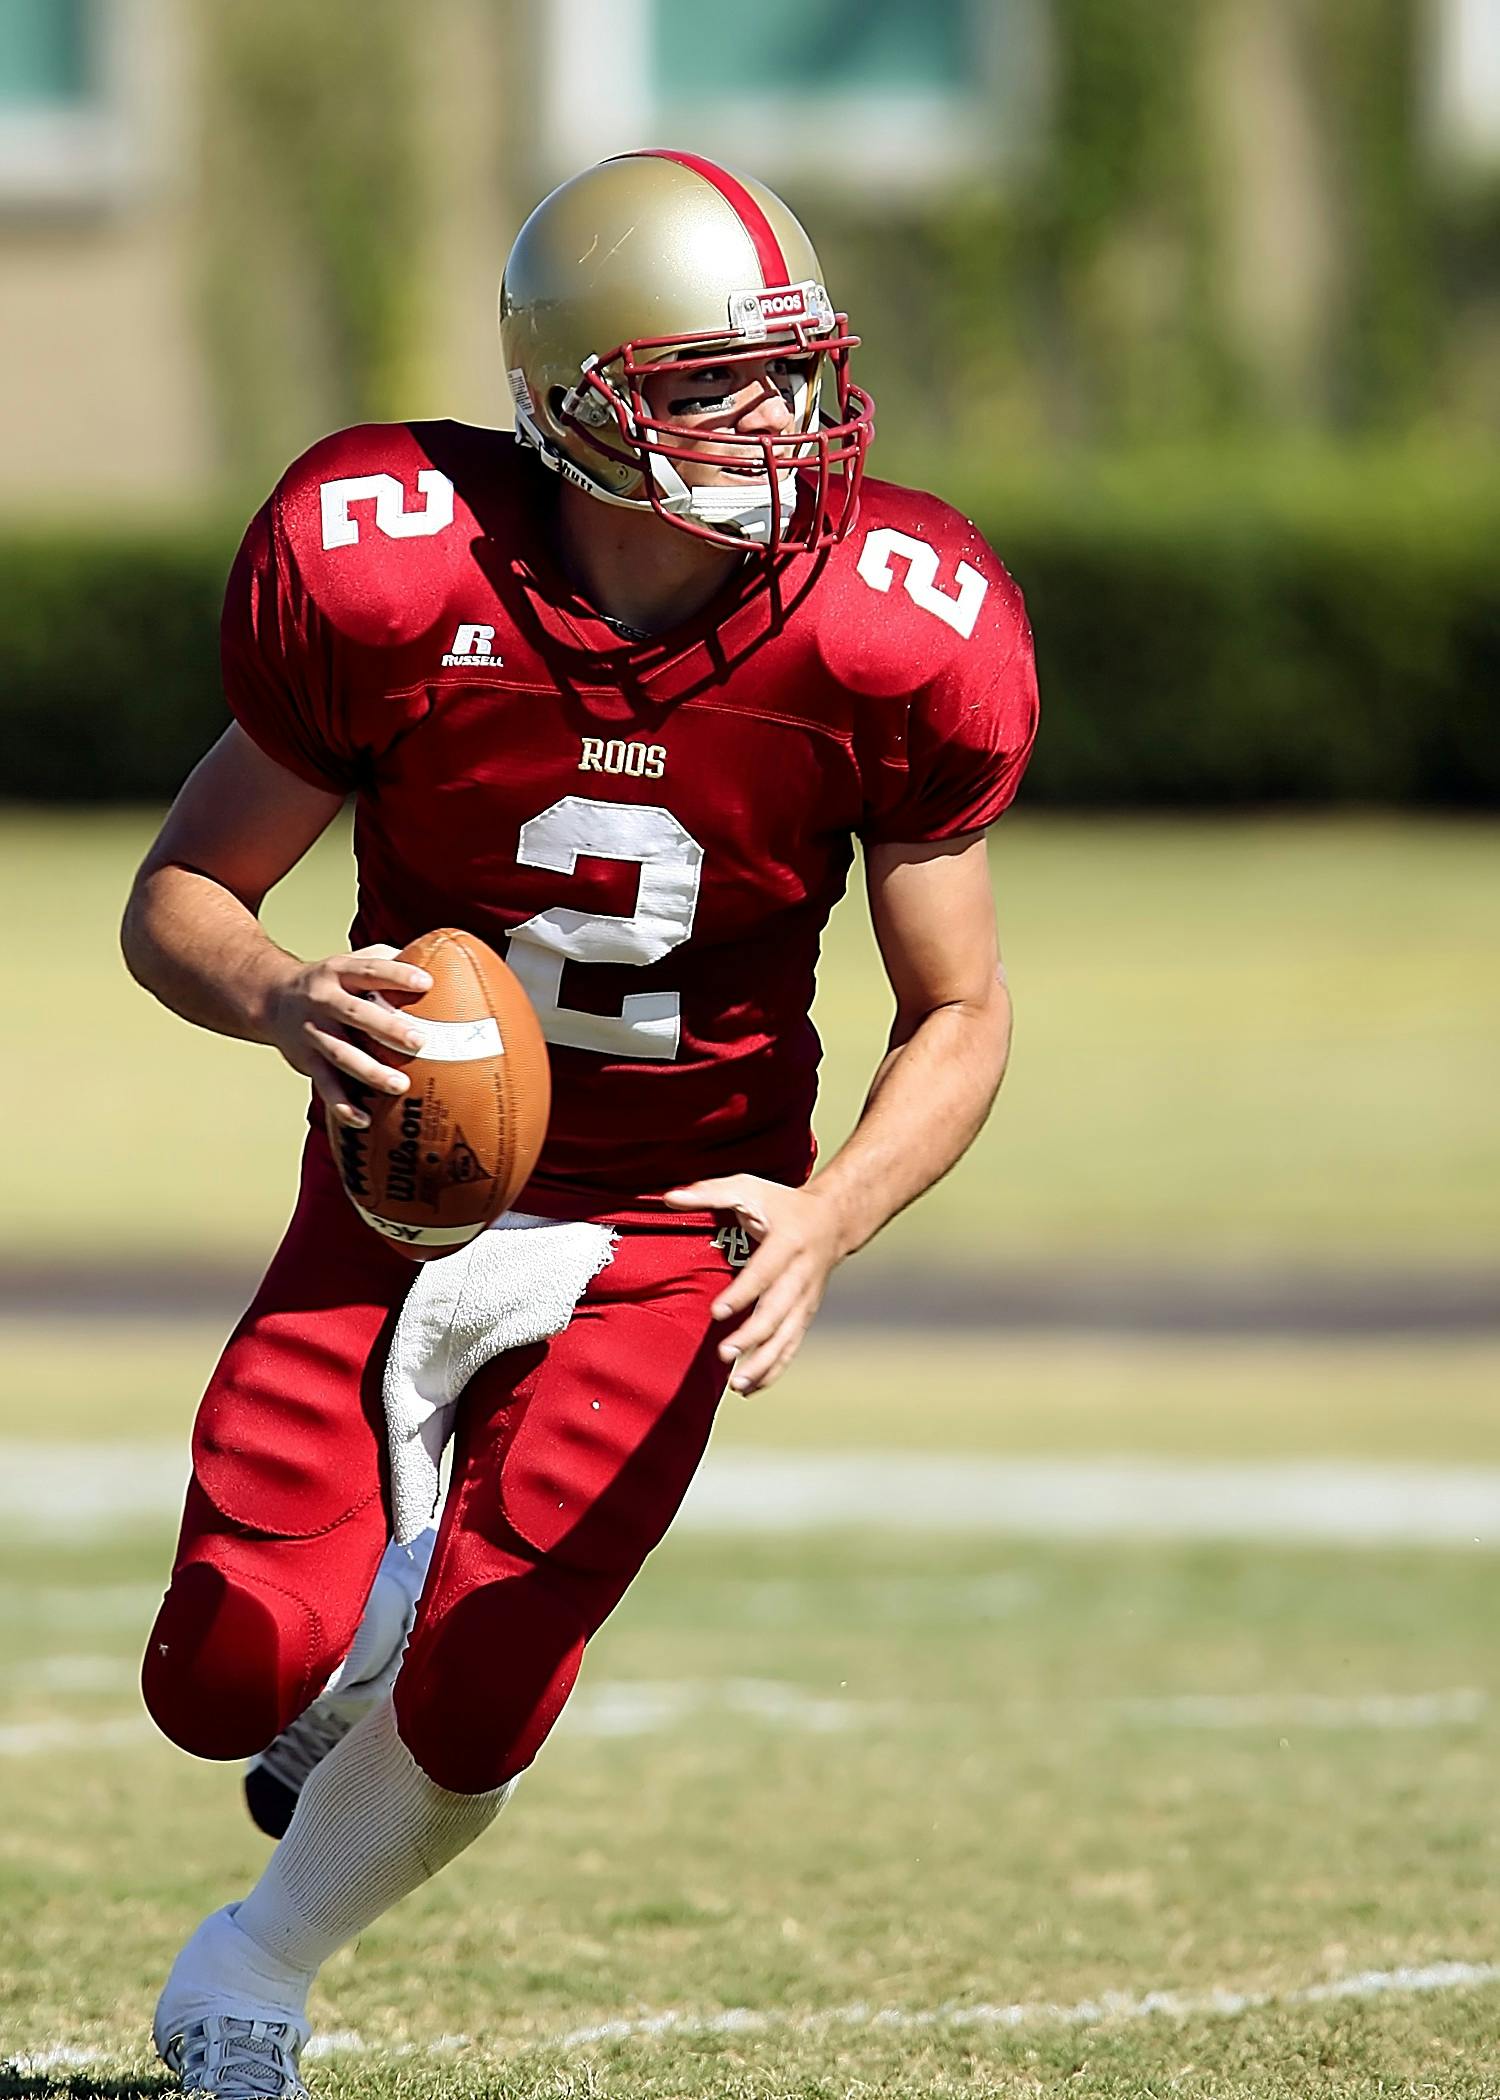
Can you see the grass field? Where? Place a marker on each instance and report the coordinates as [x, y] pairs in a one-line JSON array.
[[854, 1813], [1239, 1040]]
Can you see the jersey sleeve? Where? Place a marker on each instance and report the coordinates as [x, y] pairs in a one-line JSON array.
[[277, 660], [969, 730]]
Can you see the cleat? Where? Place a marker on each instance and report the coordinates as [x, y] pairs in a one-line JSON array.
[[236, 2059], [274, 1780]]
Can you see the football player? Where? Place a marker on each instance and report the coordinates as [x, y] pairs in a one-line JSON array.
[[619, 693]]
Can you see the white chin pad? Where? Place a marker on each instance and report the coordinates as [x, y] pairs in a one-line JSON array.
[[742, 507], [746, 510]]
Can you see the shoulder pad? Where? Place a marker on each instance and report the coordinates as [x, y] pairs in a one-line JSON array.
[[913, 590], [375, 528]]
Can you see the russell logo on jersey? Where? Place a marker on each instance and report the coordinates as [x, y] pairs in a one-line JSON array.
[[473, 649]]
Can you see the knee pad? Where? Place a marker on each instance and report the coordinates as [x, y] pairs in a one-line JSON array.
[[230, 1661], [482, 1685]]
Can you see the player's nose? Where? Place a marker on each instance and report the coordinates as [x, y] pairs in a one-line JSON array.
[[766, 411]]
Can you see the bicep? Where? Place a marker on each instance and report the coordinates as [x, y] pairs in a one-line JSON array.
[[934, 917], [241, 819]]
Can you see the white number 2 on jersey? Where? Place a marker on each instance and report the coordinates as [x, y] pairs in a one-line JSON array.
[[959, 610], [341, 527], [671, 864]]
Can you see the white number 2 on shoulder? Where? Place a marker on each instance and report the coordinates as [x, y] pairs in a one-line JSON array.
[[958, 609], [670, 859], [341, 527]]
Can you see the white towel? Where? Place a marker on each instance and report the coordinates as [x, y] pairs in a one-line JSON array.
[[514, 1284]]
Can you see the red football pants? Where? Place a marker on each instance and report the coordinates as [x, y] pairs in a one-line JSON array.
[[570, 1461]]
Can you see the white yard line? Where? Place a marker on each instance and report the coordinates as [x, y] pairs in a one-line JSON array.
[[69, 1673], [1324, 1502], [1220, 2002], [636, 1706], [60, 2058], [52, 1490], [81, 1607], [1089, 2012], [1308, 1709], [34, 1738], [69, 1491], [620, 1707], [625, 1707]]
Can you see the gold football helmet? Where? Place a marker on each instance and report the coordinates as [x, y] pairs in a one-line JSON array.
[[658, 258]]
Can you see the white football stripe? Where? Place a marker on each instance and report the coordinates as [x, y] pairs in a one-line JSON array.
[[419, 1235], [458, 1042]]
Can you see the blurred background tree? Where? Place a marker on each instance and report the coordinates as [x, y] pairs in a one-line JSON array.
[[1229, 226], [311, 194]]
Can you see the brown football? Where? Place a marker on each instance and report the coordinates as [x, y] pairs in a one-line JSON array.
[[440, 1162]]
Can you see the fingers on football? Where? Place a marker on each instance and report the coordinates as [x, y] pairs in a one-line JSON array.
[[355, 1063], [384, 1023], [378, 966], [334, 1095]]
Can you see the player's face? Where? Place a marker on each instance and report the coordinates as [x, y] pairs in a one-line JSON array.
[[749, 398]]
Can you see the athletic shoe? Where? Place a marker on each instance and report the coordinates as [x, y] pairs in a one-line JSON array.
[[275, 1779], [237, 2059], [231, 2019]]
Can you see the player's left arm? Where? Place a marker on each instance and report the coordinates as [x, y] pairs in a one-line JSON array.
[[934, 918]]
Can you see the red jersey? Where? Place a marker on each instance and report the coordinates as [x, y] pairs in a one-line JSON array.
[[653, 831]]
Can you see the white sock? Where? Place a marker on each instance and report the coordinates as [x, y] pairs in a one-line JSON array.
[[370, 1827], [380, 1636]]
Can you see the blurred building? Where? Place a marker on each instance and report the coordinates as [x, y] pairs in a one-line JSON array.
[[224, 229]]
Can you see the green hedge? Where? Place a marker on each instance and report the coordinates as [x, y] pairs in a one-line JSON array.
[[109, 664], [1306, 642], [1197, 646]]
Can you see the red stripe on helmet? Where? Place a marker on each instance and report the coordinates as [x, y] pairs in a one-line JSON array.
[[773, 265]]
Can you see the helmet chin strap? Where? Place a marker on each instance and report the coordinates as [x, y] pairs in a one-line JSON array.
[[744, 507]]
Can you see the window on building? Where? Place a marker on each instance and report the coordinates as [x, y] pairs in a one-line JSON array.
[[61, 135], [1467, 80], [844, 49], [876, 94], [45, 54]]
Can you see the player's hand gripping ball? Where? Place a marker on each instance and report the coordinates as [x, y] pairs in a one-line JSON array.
[[443, 1160]]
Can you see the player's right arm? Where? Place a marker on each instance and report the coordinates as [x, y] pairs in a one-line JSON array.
[[192, 933], [269, 787]]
